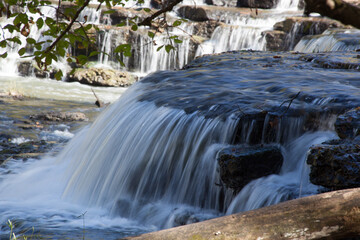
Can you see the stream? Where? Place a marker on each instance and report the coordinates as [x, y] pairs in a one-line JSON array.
[[148, 161]]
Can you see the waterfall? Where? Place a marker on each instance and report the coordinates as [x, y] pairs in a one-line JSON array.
[[330, 40], [292, 182], [165, 155], [240, 34], [287, 5]]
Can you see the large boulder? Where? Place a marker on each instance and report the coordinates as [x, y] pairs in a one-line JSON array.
[[347, 125], [102, 77], [266, 4], [240, 165], [335, 164], [193, 13]]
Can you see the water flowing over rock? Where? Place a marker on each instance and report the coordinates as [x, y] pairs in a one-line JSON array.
[[240, 165], [102, 77], [288, 33], [330, 40]]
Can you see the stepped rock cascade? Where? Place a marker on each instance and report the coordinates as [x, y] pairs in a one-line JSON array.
[[149, 161], [330, 40]]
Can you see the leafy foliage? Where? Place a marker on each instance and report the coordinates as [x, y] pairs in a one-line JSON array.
[[67, 30]]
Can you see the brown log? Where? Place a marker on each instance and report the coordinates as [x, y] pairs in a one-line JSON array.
[[340, 10], [332, 215]]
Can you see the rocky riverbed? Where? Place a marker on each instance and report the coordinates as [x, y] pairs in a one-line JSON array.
[[31, 127]]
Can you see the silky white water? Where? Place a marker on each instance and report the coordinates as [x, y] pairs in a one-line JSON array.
[[142, 167]]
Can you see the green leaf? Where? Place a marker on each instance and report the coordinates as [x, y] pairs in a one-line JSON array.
[[81, 59], [121, 24], [94, 53], [177, 40], [147, 10], [109, 11], [50, 22], [177, 23], [39, 23], [3, 44], [30, 40], [159, 48], [151, 34], [134, 27], [58, 75], [88, 27], [21, 51], [168, 48], [48, 60], [4, 55], [61, 51]]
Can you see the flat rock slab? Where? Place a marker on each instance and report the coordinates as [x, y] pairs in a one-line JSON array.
[[240, 165], [335, 164]]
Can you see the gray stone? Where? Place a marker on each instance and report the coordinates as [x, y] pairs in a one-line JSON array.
[[240, 165], [60, 116], [193, 13], [102, 77]]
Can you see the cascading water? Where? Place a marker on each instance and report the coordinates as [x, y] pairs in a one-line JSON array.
[[150, 160], [330, 40]]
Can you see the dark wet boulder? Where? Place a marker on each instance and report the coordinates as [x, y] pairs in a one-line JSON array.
[[60, 116], [266, 4], [335, 164], [102, 77], [240, 165], [347, 125], [193, 13]]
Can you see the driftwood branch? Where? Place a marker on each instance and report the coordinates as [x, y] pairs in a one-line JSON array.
[[332, 215], [342, 11], [147, 21]]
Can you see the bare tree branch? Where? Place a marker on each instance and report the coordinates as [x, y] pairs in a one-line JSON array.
[[147, 21], [68, 27]]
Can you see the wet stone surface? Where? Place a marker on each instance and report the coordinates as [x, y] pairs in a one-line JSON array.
[[263, 82], [25, 134], [240, 165], [347, 125], [335, 164]]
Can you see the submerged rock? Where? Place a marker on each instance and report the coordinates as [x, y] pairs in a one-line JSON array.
[[335, 164], [60, 116], [102, 77], [347, 125], [240, 165]]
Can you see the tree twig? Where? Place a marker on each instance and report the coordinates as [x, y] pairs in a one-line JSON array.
[[147, 21], [290, 102], [68, 27]]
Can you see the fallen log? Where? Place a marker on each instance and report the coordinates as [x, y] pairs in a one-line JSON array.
[[342, 11], [332, 215]]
